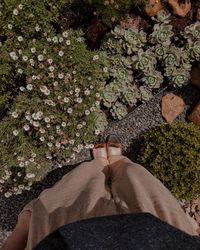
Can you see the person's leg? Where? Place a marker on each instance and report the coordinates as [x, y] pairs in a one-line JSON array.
[[137, 189], [18, 239]]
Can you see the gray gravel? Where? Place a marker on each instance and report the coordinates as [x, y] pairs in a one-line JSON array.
[[129, 130]]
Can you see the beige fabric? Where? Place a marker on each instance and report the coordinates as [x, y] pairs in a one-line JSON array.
[[83, 193]]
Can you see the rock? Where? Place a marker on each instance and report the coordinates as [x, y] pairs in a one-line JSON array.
[[198, 14], [172, 106], [152, 7], [195, 75], [180, 8], [195, 115], [95, 32]]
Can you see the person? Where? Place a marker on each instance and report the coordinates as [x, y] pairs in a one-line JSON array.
[[85, 193]]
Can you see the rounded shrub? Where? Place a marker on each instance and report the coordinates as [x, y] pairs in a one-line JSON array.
[[172, 154]]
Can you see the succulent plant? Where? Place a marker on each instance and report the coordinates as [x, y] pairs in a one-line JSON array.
[[119, 111], [180, 77], [100, 120], [144, 60], [121, 74], [160, 51], [195, 51], [153, 79], [162, 17], [146, 94], [112, 46], [109, 95], [172, 57], [192, 32], [130, 94], [162, 34]]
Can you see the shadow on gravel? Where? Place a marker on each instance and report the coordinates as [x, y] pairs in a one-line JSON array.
[[10, 208]]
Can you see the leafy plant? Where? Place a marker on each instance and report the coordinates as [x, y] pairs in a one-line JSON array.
[[172, 154]]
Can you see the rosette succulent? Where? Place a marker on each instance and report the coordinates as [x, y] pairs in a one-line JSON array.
[[195, 51], [162, 17], [160, 51], [146, 94], [162, 34], [119, 111], [172, 57], [144, 60], [130, 94], [100, 120], [180, 77], [192, 32], [121, 74], [153, 79], [109, 95]]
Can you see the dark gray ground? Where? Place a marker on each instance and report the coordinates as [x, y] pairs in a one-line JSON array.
[[129, 130]]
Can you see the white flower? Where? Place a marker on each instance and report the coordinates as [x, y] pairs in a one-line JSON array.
[[87, 92], [105, 69], [60, 76], [47, 119], [79, 126], [37, 28], [40, 58], [43, 88], [25, 58], [69, 110], [14, 114], [77, 134], [30, 175], [65, 34], [22, 88], [48, 125], [77, 90], [97, 131], [87, 112], [91, 146], [33, 50], [91, 87], [83, 123], [31, 159], [15, 12], [79, 39], [7, 194], [51, 68], [71, 92], [10, 26], [71, 142], [21, 164], [20, 71], [55, 84], [36, 124], [20, 38], [20, 51], [92, 109], [20, 6], [15, 132], [95, 57], [42, 138], [48, 39], [29, 86], [34, 77], [13, 56], [50, 61], [19, 174], [50, 144], [61, 39], [79, 100], [63, 124], [66, 99], [58, 144], [26, 127], [97, 103], [60, 53], [55, 39], [49, 157], [47, 92], [42, 131], [57, 127], [68, 42]]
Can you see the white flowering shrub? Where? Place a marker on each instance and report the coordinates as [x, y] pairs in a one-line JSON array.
[[51, 88]]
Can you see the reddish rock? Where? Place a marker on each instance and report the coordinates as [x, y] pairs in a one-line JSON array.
[[195, 115], [195, 76], [172, 106]]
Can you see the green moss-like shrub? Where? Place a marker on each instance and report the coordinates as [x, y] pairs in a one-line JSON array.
[[172, 154]]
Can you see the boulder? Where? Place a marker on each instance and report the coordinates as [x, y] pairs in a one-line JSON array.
[[172, 106], [195, 115]]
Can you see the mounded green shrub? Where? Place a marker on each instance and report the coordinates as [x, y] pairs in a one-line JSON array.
[[172, 154]]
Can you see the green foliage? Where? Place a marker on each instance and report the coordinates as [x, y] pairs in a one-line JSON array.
[[111, 10], [172, 154], [50, 88], [140, 62]]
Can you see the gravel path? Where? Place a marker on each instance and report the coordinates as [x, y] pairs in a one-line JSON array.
[[129, 130]]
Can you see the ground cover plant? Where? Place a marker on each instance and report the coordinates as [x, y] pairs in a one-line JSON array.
[[143, 62], [171, 153]]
